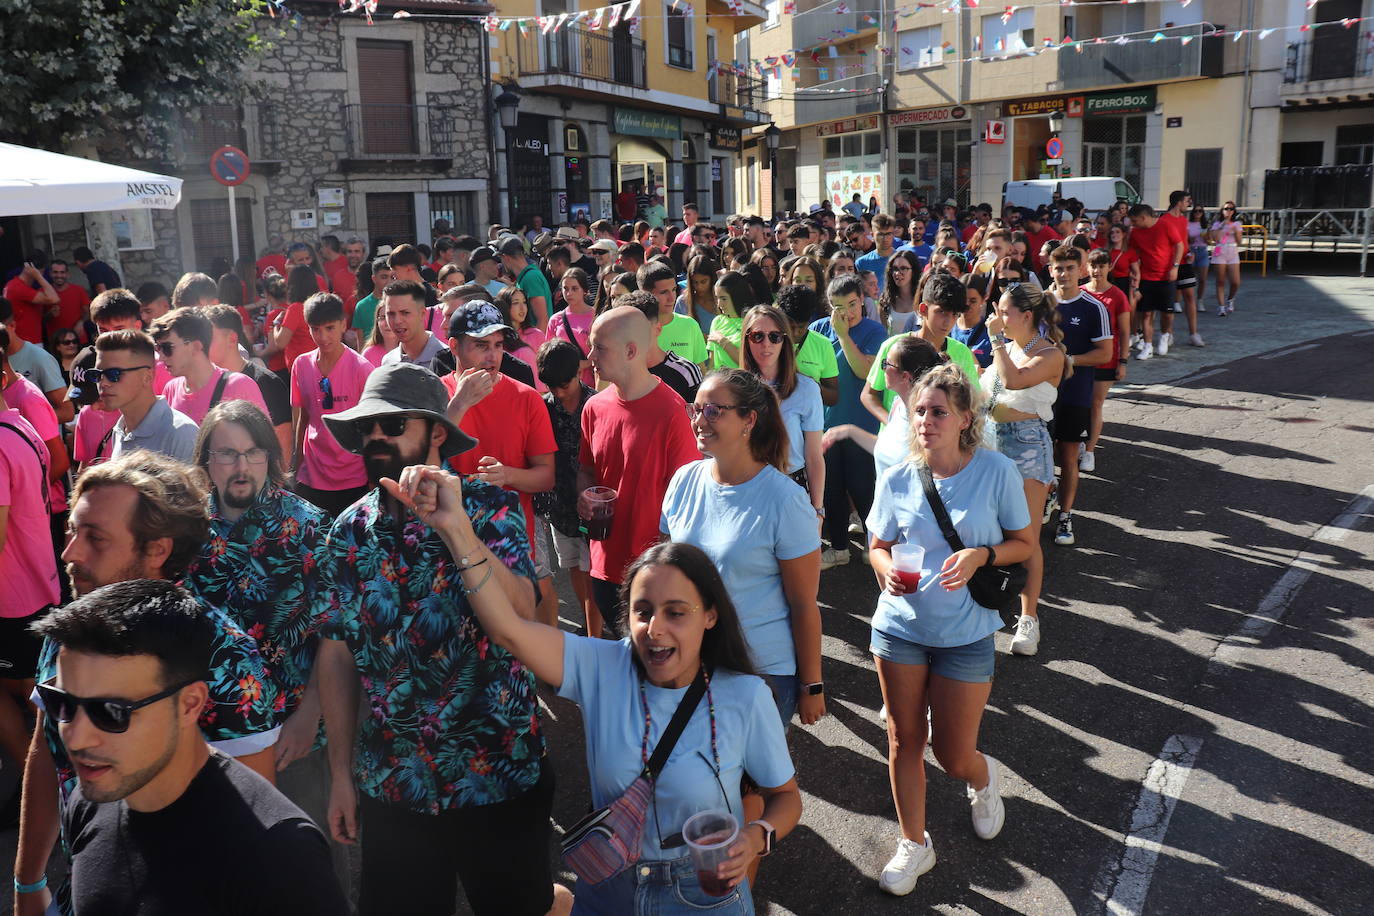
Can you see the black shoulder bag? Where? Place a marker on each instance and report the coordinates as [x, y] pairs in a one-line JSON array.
[[997, 588]]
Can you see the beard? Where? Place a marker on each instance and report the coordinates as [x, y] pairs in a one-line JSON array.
[[233, 501], [383, 459], [130, 783], [84, 580]]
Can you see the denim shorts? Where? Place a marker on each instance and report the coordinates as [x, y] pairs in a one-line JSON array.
[[971, 664], [1027, 442], [1202, 256], [658, 889], [786, 690]]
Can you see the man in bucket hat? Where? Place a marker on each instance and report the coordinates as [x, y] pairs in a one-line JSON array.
[[450, 773]]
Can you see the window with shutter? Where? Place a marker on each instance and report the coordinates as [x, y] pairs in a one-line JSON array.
[[386, 117], [210, 230], [391, 218]]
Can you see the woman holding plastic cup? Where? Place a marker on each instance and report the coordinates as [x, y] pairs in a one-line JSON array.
[[933, 644], [682, 625]]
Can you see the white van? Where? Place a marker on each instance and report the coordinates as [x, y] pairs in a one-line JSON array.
[[1097, 194]]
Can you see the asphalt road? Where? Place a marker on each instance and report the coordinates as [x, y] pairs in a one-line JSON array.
[[1195, 733]]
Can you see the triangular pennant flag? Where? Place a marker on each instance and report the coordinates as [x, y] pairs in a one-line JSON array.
[[789, 8], [796, 74], [614, 18], [841, 9], [1311, 3], [1185, 39], [1183, 4], [594, 21], [1235, 38], [1122, 39], [545, 24], [1066, 40], [1158, 36], [1349, 23], [1265, 33], [1007, 13], [491, 23], [972, 4], [632, 8], [1304, 28], [524, 25], [400, 14]]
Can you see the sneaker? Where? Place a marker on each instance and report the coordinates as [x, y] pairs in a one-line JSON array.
[[906, 865], [1135, 341], [988, 810], [1082, 447], [1063, 535], [1195, 340], [1221, 310], [1146, 352], [1178, 308], [831, 558], [1201, 306], [1051, 504], [882, 713], [1027, 638], [1086, 462], [856, 530], [1165, 342], [1230, 305]]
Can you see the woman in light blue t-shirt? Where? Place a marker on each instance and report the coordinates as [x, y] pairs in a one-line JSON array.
[[933, 644], [681, 623]]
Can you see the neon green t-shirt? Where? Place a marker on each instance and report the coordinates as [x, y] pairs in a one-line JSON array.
[[959, 354], [365, 314], [816, 357], [733, 330], [683, 336]]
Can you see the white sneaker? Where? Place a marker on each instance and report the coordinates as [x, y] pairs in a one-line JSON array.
[[1178, 308], [988, 811], [910, 861], [1135, 341], [1027, 638], [1230, 305], [856, 530], [882, 713], [1165, 342], [831, 558], [1146, 352], [1195, 340], [1201, 306], [1086, 461]]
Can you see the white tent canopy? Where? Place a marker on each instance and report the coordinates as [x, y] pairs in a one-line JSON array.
[[35, 182]]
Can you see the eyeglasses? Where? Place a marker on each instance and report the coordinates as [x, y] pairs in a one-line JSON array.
[[107, 714], [1009, 283], [328, 401], [1232, 209], [166, 347], [230, 457], [392, 425], [900, 268], [67, 342], [892, 367], [111, 375], [758, 337], [711, 412]]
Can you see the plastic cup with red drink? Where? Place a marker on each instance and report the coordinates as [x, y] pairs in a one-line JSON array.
[[709, 836], [907, 560], [602, 503]]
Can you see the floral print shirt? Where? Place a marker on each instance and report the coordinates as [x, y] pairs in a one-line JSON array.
[[452, 718], [263, 571]]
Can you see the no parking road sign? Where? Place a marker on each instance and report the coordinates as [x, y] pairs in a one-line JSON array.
[[1054, 149], [229, 165]]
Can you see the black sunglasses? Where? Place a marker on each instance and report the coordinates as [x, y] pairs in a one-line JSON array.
[[111, 375], [166, 347], [773, 337], [106, 713], [328, 401], [392, 425]]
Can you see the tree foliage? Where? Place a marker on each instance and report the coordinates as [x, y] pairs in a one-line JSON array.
[[119, 73]]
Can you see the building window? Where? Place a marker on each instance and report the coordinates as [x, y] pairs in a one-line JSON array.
[[390, 218], [751, 172], [1202, 176], [771, 8], [1114, 147], [216, 126], [1355, 144], [1015, 35], [458, 207], [919, 48], [679, 27], [772, 85], [210, 231]]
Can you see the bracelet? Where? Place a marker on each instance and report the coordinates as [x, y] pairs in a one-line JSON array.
[[462, 568], [35, 887], [463, 589], [992, 555]]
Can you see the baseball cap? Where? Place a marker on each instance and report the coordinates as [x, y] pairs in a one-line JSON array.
[[476, 319], [510, 246], [481, 254]]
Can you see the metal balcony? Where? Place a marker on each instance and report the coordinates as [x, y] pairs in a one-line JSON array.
[[416, 135], [254, 127], [814, 103], [574, 57], [1091, 66], [735, 90], [815, 23], [1330, 54]]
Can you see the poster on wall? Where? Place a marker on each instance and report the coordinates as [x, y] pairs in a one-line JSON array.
[[133, 229], [580, 211], [603, 205], [842, 186]]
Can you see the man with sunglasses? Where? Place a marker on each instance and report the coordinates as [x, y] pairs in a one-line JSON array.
[[450, 753], [154, 803], [123, 374], [183, 336]]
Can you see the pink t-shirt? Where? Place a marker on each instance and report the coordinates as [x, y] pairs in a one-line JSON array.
[[533, 339], [196, 405], [33, 405], [325, 464], [576, 329], [375, 352], [28, 566], [92, 424]]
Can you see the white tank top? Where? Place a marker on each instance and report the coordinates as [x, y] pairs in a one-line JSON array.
[[1037, 399]]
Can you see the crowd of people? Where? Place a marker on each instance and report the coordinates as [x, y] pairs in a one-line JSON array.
[[279, 546]]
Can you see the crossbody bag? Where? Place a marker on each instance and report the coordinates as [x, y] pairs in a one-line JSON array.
[[996, 587]]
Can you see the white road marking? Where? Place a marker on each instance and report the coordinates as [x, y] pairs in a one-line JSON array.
[[1158, 797], [1259, 622], [1276, 354]]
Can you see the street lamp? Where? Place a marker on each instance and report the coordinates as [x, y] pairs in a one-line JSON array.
[[1056, 121], [772, 137], [507, 108]]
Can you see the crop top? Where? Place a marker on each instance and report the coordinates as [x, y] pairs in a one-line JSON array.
[[1037, 399]]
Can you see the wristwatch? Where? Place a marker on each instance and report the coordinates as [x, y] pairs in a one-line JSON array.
[[820, 511], [770, 836], [814, 690]]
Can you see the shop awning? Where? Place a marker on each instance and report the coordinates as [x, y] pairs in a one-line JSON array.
[[35, 182]]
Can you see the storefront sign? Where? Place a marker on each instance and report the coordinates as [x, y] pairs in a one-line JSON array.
[[646, 124], [1071, 105], [1126, 101], [841, 187], [928, 116], [847, 126], [995, 132], [725, 138]]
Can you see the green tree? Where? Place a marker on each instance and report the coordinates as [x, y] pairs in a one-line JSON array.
[[120, 73]]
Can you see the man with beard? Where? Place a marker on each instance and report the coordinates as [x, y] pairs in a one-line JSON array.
[[140, 516], [450, 753], [154, 803]]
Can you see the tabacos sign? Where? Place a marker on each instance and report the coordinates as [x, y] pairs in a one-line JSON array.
[[927, 116], [1071, 105]]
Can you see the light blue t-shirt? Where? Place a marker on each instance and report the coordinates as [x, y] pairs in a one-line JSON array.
[[746, 530], [802, 412], [894, 439], [874, 262], [983, 500], [601, 678]]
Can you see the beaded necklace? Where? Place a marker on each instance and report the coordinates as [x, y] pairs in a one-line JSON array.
[[648, 721]]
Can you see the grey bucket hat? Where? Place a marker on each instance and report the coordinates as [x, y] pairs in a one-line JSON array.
[[400, 388]]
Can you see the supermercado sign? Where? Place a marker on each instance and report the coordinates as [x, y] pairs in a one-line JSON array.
[[927, 116]]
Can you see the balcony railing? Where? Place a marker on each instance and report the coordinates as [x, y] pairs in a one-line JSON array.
[[736, 90], [1330, 54], [223, 124], [863, 96], [590, 55], [387, 131], [1110, 64], [815, 23]]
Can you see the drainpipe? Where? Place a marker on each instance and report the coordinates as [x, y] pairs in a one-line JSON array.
[[1247, 114], [489, 114]]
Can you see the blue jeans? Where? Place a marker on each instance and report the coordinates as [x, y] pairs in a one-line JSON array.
[[786, 689], [658, 889]]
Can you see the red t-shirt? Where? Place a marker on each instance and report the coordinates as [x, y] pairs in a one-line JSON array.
[[1036, 241], [1155, 246], [635, 448], [341, 279], [28, 314], [275, 261], [1122, 261], [73, 301], [1117, 304], [511, 425], [301, 341], [278, 361]]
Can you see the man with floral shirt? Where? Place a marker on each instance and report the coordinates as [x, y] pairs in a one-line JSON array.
[[450, 752], [142, 516], [261, 567]]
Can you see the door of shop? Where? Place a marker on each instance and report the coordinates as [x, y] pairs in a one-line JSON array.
[[934, 163], [529, 169]]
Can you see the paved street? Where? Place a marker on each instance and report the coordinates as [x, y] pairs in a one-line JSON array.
[[1195, 733]]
